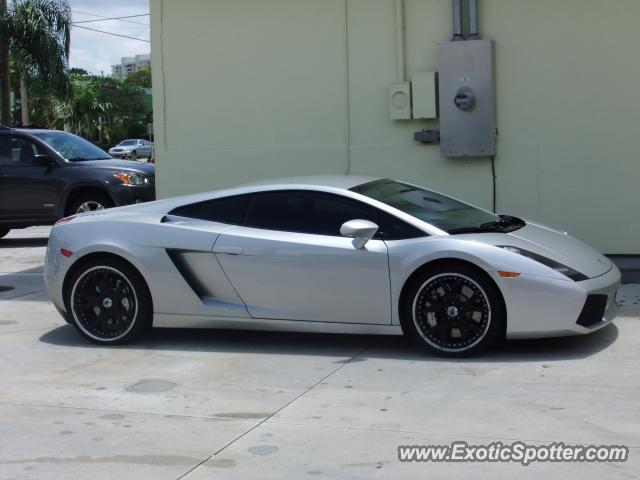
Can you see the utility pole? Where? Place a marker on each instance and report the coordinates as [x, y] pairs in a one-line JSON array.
[[5, 80]]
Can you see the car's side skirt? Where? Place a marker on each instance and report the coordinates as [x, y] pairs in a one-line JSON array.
[[195, 321]]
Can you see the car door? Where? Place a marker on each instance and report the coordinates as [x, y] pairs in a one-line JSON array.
[[146, 148], [141, 148], [27, 191], [289, 261]]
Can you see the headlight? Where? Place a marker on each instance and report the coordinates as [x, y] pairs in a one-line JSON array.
[[558, 267], [129, 178]]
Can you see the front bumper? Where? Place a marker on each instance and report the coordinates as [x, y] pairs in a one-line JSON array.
[[540, 307], [120, 154], [127, 195]]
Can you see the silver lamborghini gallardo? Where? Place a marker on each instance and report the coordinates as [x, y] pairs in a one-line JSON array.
[[327, 254]]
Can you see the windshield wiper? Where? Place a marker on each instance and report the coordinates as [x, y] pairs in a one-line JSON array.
[[505, 222]]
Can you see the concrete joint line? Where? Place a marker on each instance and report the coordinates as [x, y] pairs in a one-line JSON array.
[[273, 414]]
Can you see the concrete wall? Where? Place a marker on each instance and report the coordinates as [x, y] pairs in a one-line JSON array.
[[293, 87]]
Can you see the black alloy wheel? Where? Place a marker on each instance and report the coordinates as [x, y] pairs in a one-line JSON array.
[[453, 311], [109, 302]]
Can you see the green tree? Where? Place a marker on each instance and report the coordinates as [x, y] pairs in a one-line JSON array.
[[141, 78], [80, 72], [85, 113], [38, 34]]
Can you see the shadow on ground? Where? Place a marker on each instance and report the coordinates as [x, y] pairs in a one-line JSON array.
[[390, 347], [24, 242]]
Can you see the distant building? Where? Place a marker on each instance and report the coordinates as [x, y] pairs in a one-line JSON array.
[[130, 65]]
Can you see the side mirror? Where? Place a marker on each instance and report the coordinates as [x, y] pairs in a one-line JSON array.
[[43, 161], [360, 230]]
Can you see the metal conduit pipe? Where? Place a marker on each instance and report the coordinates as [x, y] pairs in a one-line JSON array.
[[473, 19], [400, 25], [457, 20]]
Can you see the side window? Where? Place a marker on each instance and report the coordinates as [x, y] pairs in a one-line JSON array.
[[320, 214], [231, 210], [6, 154], [17, 151]]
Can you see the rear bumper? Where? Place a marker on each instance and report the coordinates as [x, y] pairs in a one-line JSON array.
[[541, 307]]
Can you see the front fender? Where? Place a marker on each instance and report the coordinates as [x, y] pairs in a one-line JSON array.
[[407, 256], [103, 186]]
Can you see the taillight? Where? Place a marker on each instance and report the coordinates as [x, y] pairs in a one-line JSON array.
[[64, 220], [65, 252]]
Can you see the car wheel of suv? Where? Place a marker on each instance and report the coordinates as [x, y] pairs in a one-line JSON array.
[[4, 232], [134, 155], [108, 301], [89, 203], [453, 310]]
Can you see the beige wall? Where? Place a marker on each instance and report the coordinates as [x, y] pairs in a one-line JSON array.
[[293, 87]]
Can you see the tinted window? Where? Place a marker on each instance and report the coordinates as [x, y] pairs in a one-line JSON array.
[[320, 214], [16, 151], [230, 210]]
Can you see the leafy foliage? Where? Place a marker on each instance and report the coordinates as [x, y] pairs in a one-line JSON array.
[[141, 78], [102, 109], [39, 35]]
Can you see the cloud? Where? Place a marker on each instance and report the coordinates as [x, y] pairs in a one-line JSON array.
[[96, 52]]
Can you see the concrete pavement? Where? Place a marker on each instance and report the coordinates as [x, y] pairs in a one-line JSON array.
[[210, 404]]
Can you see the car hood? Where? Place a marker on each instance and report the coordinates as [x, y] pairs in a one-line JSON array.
[[148, 169], [552, 244]]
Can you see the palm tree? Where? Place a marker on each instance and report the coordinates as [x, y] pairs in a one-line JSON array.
[[38, 33]]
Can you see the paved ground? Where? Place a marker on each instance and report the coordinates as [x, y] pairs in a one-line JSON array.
[[208, 404]]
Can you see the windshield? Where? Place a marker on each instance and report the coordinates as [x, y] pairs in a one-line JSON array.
[[71, 147], [441, 211], [127, 143]]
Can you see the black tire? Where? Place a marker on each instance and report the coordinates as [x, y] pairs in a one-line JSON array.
[[134, 155], [4, 232], [453, 310], [108, 301], [89, 202]]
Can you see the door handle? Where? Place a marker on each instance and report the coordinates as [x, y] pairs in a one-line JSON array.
[[227, 250]]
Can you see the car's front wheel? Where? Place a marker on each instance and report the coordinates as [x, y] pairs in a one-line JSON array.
[[89, 203], [4, 232], [453, 310], [108, 301]]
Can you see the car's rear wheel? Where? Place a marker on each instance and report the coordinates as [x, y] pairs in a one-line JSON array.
[[90, 202], [453, 310], [134, 155], [108, 301], [4, 232]]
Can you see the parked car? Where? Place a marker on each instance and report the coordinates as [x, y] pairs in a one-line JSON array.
[[133, 148], [48, 174], [327, 254]]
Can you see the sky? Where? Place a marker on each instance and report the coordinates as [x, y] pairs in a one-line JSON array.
[[96, 52]]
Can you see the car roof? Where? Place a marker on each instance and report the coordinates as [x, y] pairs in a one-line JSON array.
[[37, 130], [334, 181]]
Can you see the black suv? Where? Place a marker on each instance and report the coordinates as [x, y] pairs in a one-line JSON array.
[[48, 174]]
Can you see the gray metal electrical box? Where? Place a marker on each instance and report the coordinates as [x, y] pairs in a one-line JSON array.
[[467, 98]]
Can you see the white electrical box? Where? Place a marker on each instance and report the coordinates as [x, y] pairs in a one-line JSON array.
[[400, 101], [423, 95]]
